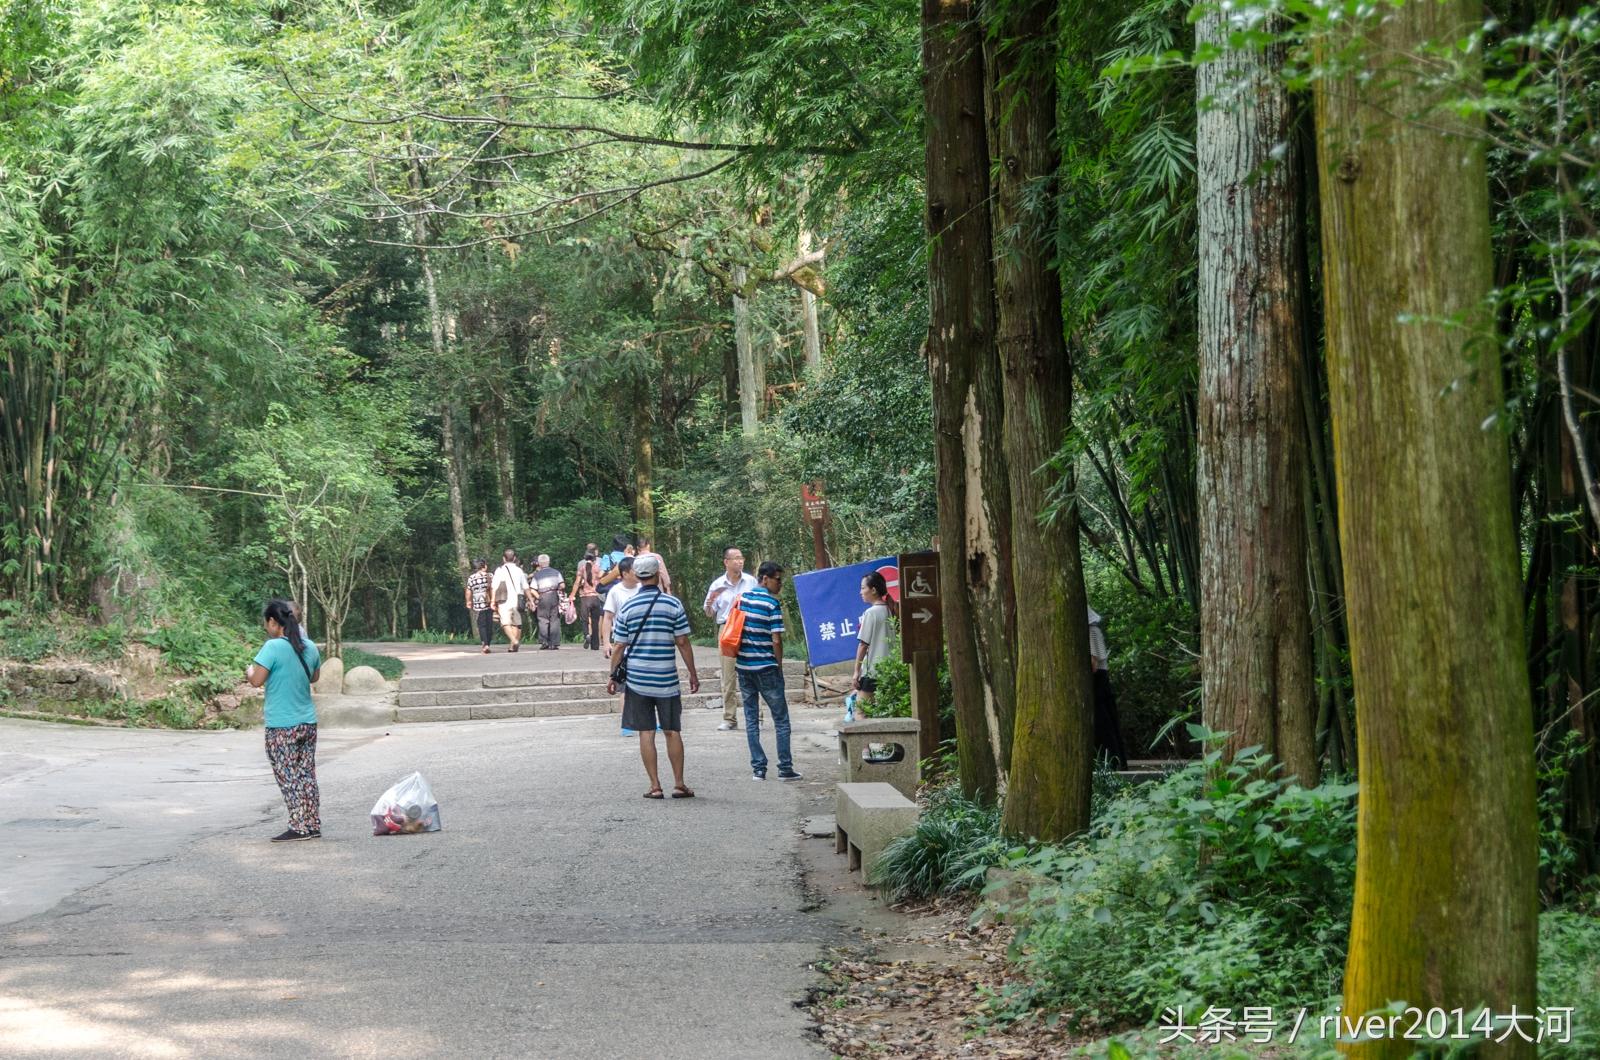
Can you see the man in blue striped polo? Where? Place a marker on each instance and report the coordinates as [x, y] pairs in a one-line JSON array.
[[760, 667], [649, 627]]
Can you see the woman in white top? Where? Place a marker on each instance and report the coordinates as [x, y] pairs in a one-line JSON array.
[[875, 637]]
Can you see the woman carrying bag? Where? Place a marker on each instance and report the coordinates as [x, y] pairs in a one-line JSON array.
[[288, 665]]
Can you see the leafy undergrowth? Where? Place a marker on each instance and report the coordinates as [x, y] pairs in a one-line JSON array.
[[387, 665], [184, 674]]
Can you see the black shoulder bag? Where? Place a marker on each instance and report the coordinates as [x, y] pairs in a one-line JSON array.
[[619, 672]]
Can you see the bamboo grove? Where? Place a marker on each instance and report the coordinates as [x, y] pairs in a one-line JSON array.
[[1267, 330]]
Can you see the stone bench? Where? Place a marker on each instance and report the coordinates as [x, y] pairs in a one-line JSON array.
[[893, 761], [866, 817]]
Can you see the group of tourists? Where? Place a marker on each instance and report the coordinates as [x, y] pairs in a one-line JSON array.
[[644, 631], [512, 598]]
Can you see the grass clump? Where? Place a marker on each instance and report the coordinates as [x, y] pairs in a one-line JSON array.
[[956, 841]]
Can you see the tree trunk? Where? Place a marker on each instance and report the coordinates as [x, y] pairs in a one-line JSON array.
[[1052, 753], [745, 351], [1255, 621], [1446, 902], [960, 329], [644, 508], [808, 313], [458, 522], [504, 460]]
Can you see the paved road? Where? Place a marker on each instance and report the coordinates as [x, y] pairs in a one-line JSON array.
[[441, 660], [558, 914]]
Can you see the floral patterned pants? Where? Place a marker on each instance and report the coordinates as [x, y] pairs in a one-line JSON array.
[[293, 754]]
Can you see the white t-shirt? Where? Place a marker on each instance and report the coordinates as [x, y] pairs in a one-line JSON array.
[[619, 595], [725, 602], [877, 635], [514, 579]]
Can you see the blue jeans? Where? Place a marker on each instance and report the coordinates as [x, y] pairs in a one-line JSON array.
[[768, 685]]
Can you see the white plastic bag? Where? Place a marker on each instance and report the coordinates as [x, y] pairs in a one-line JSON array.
[[408, 806]]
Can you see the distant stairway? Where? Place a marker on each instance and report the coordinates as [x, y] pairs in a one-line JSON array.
[[546, 694]]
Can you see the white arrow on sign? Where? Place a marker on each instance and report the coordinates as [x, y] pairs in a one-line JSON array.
[[922, 616]]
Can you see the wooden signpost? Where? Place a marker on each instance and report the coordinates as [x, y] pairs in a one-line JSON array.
[[922, 641], [815, 506]]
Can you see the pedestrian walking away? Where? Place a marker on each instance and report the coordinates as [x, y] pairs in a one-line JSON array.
[[616, 598], [723, 593], [547, 585], [509, 591], [288, 665], [477, 598], [586, 597], [875, 637], [760, 667], [610, 563], [652, 627]]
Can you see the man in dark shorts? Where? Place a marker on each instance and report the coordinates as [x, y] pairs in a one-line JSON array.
[[650, 628]]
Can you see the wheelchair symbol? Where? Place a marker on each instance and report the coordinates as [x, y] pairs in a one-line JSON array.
[[918, 586]]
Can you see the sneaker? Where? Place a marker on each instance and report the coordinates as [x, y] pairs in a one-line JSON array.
[[725, 727], [291, 836], [758, 776], [791, 776]]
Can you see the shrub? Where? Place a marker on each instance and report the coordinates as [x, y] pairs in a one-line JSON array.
[[387, 665], [1217, 886], [1569, 977], [954, 844]]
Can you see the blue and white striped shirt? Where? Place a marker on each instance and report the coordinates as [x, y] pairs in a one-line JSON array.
[[763, 616], [652, 655]]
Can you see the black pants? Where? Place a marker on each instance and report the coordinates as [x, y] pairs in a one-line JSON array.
[[486, 626], [589, 612], [1107, 732], [549, 612]]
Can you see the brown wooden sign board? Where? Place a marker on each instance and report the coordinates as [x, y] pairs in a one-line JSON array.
[[813, 503], [921, 607]]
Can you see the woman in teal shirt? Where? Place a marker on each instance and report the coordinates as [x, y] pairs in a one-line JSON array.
[[288, 665]]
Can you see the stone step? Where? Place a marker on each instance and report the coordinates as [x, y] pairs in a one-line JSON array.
[[549, 678], [531, 694], [559, 708]]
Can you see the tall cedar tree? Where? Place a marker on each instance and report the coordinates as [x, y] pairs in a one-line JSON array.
[[1255, 610], [1052, 751], [1447, 865], [960, 333]]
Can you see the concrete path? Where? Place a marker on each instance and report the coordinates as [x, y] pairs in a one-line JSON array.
[[446, 660], [558, 914]]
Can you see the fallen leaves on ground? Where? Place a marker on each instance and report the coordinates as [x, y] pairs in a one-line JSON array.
[[917, 996]]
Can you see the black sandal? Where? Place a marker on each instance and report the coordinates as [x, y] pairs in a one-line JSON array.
[[655, 793], [681, 791]]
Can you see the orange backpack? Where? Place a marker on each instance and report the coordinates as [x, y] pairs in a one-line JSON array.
[[732, 632]]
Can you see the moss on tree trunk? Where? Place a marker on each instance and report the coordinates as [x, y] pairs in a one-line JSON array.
[[1447, 866]]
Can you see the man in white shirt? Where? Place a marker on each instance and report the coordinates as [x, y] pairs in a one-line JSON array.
[[720, 598], [509, 591], [620, 593]]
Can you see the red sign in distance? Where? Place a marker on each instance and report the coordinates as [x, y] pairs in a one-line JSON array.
[[891, 578]]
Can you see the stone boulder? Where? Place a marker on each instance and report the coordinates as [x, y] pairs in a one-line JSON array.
[[365, 681], [331, 683]]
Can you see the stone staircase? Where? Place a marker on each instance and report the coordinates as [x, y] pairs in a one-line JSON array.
[[547, 694]]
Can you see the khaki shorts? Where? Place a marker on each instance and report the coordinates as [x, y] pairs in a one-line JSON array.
[[509, 614]]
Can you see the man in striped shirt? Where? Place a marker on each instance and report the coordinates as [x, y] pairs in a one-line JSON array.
[[760, 667], [649, 627]]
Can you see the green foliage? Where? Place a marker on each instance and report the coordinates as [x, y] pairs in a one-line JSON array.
[[956, 841], [212, 654], [1569, 977], [1219, 885], [1154, 647], [387, 665], [893, 696]]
